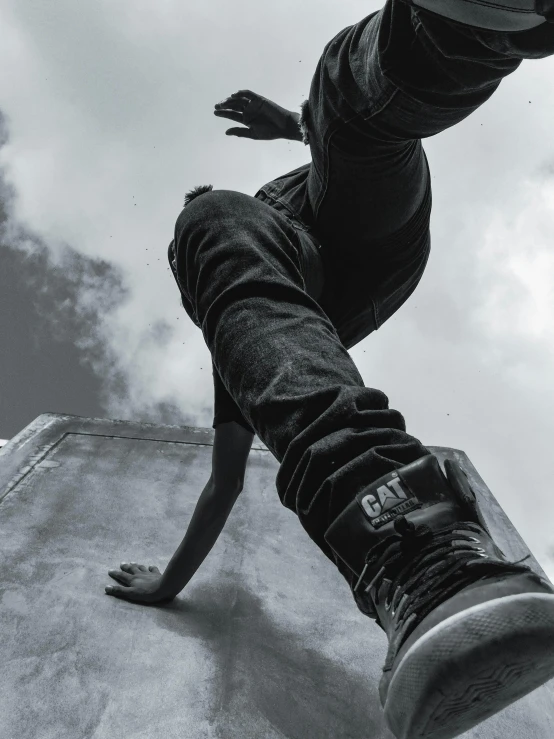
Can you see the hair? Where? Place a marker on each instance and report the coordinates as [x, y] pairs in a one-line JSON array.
[[196, 191]]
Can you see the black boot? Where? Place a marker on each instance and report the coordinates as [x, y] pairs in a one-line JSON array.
[[469, 632]]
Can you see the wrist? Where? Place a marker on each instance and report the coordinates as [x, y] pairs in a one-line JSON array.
[[164, 592], [293, 131]]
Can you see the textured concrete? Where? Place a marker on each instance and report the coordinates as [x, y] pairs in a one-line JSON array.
[[265, 641]]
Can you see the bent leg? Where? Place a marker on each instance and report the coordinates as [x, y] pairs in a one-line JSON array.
[[398, 76], [281, 360]]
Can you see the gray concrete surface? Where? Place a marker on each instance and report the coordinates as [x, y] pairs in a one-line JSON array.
[[265, 641]]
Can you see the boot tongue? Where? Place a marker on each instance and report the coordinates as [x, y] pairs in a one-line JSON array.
[[411, 491]]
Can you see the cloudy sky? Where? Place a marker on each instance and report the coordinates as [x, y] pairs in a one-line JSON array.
[[107, 119]]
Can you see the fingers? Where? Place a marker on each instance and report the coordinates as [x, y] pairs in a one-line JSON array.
[[128, 571], [238, 101], [243, 96], [116, 590], [233, 108], [124, 593], [120, 576], [245, 93], [244, 133], [231, 114], [133, 567]]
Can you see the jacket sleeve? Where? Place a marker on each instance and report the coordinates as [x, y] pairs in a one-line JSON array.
[[225, 408]]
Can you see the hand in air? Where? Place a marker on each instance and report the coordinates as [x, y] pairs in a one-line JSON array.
[[265, 120]]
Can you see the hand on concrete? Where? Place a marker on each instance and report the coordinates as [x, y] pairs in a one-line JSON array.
[[139, 584], [265, 120]]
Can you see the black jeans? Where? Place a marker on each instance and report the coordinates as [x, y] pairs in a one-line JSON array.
[[246, 268]]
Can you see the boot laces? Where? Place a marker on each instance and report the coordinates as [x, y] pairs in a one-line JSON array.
[[423, 568]]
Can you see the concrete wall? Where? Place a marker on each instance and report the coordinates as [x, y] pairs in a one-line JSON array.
[[265, 642]]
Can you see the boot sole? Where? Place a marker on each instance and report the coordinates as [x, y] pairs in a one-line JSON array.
[[472, 665]]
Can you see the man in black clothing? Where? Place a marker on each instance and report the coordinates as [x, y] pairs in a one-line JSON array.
[[282, 284]]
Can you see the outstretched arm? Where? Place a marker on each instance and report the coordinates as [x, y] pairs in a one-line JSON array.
[[230, 454], [265, 120], [140, 584]]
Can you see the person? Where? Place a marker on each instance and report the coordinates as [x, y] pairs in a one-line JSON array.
[[284, 283]]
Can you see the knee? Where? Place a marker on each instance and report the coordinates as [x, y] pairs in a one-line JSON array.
[[213, 207]]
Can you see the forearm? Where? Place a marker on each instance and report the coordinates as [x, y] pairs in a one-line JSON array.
[[205, 526]]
